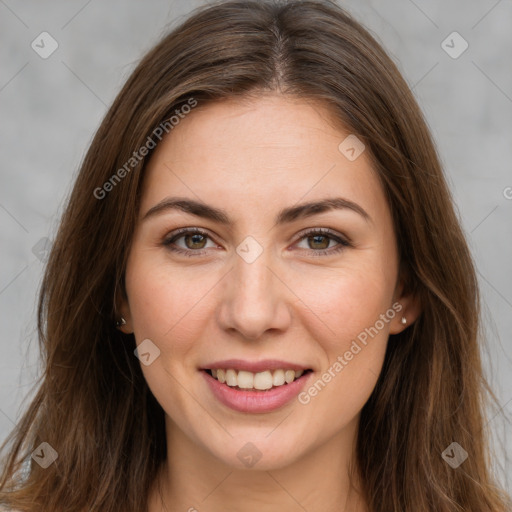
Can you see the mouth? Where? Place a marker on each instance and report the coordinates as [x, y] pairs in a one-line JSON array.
[[267, 390], [251, 386], [264, 381]]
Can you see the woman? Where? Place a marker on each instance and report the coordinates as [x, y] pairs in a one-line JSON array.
[[321, 353]]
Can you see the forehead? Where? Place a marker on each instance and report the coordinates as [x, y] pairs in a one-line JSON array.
[[267, 151]]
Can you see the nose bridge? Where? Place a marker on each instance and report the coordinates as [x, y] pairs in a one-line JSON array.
[[253, 277], [251, 269], [253, 302]]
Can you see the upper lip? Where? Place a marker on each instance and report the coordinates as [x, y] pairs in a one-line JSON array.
[[254, 366]]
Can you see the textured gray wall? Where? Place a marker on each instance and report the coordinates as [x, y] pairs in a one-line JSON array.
[[50, 108]]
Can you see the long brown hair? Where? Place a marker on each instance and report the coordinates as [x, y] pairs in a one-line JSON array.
[[93, 405]]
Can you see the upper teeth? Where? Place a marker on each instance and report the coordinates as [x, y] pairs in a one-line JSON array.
[[261, 380]]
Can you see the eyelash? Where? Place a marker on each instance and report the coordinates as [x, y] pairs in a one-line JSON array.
[[343, 243]]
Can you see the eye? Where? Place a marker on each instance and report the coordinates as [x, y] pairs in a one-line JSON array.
[[318, 240], [194, 239]]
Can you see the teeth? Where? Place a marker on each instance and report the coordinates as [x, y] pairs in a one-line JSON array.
[[245, 380], [260, 381], [278, 378], [289, 376], [231, 378]]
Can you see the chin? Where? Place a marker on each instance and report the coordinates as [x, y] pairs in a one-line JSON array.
[[258, 453]]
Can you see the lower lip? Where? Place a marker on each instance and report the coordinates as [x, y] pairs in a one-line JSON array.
[[256, 401]]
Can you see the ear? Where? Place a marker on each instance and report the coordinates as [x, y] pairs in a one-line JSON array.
[[122, 307], [411, 309]]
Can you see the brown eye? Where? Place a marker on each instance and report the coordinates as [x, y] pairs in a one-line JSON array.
[[318, 241], [194, 241]]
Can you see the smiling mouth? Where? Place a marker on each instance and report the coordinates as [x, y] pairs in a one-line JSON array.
[[262, 381]]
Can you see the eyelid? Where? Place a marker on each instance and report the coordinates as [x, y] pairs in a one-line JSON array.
[[300, 234], [324, 231], [178, 233], [343, 240]]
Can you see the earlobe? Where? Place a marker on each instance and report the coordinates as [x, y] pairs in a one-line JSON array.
[[405, 295], [122, 313], [399, 323], [123, 325], [411, 309], [120, 322]]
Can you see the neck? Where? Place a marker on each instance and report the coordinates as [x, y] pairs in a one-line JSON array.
[[192, 479]]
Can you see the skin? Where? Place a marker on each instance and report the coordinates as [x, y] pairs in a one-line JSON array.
[[252, 158]]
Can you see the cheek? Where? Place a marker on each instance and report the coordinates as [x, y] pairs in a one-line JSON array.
[[165, 302], [348, 300], [350, 303], [165, 308]]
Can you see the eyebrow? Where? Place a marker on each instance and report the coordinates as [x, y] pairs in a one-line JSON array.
[[285, 216]]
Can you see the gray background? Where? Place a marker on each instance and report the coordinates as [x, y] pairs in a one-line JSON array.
[[50, 109]]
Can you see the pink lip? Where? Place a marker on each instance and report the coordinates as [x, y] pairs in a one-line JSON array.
[[254, 366], [255, 401]]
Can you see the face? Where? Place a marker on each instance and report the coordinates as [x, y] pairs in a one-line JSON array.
[[293, 291]]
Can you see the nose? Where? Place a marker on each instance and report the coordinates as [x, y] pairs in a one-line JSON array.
[[255, 298]]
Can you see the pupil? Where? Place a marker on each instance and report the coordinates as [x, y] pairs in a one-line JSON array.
[[195, 236], [316, 237]]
